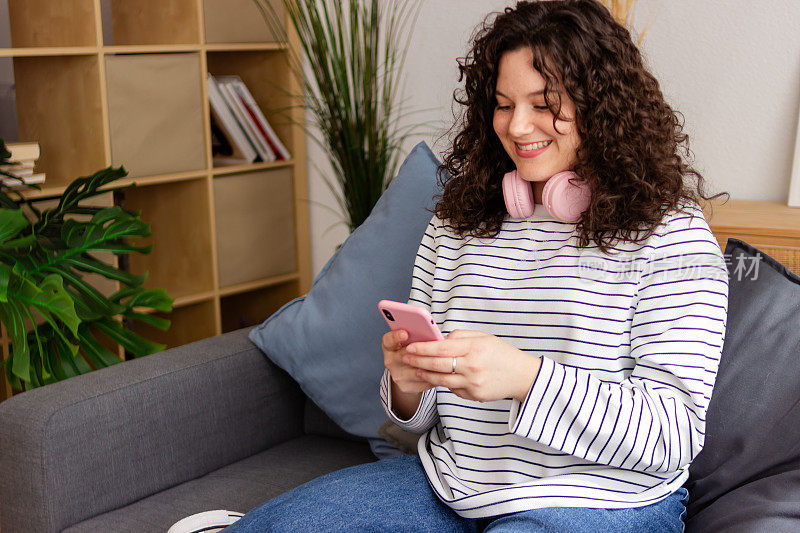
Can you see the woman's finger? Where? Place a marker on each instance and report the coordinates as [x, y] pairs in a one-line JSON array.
[[462, 393], [393, 340], [445, 348], [434, 364], [439, 379], [407, 375]]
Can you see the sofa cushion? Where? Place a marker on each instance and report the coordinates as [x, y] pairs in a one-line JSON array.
[[237, 487], [770, 503], [747, 472], [329, 340]]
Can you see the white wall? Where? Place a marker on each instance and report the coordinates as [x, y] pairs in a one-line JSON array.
[[732, 67]]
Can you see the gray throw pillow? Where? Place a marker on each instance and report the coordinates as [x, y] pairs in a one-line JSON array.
[[329, 341], [747, 478]]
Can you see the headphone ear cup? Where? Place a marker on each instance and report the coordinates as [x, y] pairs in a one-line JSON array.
[[566, 200], [518, 195]]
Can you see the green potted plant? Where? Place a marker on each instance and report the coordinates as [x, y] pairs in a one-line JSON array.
[[56, 320], [355, 52]]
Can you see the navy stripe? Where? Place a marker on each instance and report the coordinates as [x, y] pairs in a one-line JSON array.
[[543, 288], [538, 404], [415, 277], [678, 329], [509, 445], [613, 428], [475, 407], [529, 278], [569, 428], [418, 269], [534, 265], [653, 309], [442, 303], [670, 320], [588, 423], [517, 459], [685, 293], [455, 417], [495, 323], [555, 399], [647, 439]]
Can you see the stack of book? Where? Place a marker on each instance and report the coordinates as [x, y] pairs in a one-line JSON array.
[[240, 132], [20, 165]]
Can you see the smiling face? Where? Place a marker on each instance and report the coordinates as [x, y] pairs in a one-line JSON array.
[[524, 124]]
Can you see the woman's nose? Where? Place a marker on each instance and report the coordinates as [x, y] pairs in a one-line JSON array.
[[521, 123]]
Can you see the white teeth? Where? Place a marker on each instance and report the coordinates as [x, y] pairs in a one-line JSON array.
[[533, 146]]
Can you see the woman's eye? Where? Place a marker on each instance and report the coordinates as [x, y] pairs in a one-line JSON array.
[[506, 107]]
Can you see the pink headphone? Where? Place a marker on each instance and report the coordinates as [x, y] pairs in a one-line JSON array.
[[564, 201]]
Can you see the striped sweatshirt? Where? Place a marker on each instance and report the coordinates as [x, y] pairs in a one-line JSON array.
[[630, 343]]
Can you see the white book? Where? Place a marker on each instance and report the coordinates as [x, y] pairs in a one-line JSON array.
[[226, 161], [245, 120], [242, 148], [18, 171], [23, 151], [19, 166], [275, 143], [26, 180]]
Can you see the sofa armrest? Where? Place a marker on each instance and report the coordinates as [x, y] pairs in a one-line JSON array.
[[93, 443]]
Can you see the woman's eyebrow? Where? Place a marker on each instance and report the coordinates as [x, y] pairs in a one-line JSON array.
[[535, 93]]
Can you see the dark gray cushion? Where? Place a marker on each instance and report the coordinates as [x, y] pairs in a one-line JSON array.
[[237, 487], [770, 504], [746, 478]]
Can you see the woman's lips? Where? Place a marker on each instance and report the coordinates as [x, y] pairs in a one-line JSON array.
[[530, 153]]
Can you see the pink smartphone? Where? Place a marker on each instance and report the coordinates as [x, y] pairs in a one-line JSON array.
[[417, 321]]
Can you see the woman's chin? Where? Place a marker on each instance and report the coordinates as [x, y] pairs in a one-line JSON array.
[[533, 175]]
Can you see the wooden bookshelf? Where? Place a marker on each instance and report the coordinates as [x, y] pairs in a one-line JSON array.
[[94, 96]]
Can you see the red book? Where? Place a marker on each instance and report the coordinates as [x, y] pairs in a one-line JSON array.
[[278, 155]]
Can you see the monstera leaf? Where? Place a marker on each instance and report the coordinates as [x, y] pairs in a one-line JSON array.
[[52, 314]]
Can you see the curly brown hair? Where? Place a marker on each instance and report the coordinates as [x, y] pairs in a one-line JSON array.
[[630, 137]]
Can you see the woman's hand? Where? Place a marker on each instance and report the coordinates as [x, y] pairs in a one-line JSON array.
[[403, 375], [487, 368]]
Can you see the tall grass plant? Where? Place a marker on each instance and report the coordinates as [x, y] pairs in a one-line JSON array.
[[354, 52]]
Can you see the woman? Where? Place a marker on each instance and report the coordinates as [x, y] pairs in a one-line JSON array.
[[570, 392]]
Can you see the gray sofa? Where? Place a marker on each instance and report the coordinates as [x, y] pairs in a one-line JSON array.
[[216, 425], [138, 446]]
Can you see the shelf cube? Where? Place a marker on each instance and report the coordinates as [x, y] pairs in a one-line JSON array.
[[155, 113], [255, 226]]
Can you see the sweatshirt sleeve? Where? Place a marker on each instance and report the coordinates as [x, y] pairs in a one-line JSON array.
[[421, 294], [653, 421]]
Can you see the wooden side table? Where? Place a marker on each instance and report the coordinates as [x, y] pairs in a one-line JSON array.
[[772, 227]]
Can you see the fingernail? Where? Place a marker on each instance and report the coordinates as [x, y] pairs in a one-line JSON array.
[[411, 349]]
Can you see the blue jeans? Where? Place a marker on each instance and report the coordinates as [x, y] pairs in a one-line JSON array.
[[393, 495]]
